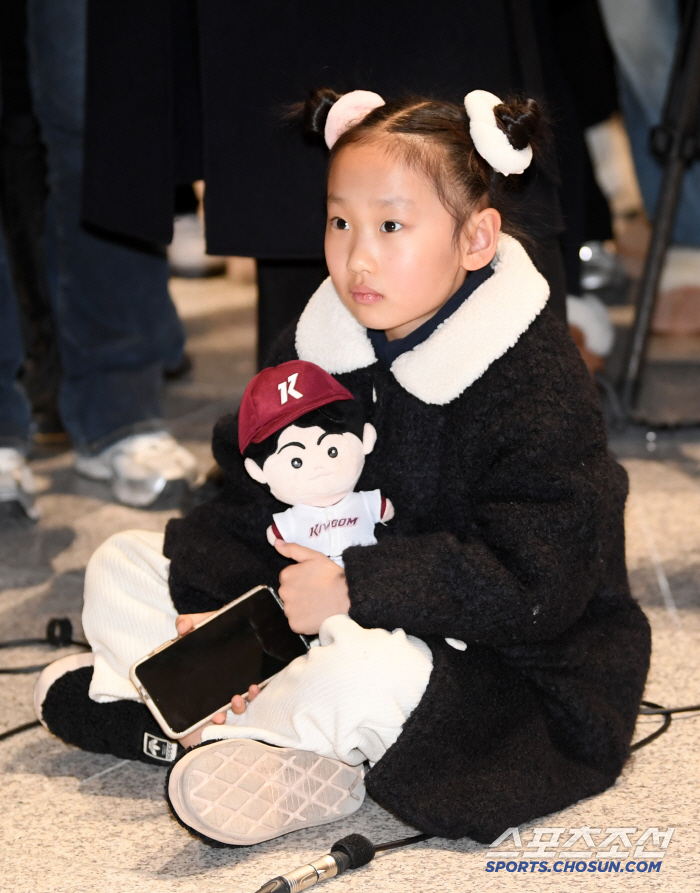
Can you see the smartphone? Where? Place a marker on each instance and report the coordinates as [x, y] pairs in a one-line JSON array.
[[186, 681]]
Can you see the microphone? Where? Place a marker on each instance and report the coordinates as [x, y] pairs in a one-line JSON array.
[[352, 851]]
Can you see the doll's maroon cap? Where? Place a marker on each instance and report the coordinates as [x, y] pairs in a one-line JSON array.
[[280, 394]]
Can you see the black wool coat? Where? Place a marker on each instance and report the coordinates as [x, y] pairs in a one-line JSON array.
[[508, 535]]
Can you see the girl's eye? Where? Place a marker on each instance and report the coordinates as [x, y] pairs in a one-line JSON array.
[[333, 452], [339, 223], [390, 226], [296, 462]]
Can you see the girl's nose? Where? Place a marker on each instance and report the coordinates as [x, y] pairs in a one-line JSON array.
[[360, 257]]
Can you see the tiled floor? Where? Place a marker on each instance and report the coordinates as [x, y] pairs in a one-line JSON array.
[[73, 821]]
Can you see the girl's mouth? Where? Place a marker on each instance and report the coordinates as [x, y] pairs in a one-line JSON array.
[[365, 296]]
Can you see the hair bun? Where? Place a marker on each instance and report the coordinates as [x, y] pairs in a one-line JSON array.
[[520, 120], [316, 108]]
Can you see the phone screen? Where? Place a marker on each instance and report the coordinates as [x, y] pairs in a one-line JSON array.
[[196, 675]]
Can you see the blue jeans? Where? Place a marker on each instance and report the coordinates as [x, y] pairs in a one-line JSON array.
[[14, 409], [643, 34], [117, 326]]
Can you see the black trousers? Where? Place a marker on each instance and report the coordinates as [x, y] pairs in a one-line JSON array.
[[284, 287]]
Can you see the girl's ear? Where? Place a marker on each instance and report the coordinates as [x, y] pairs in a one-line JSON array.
[[480, 238], [369, 438], [255, 471]]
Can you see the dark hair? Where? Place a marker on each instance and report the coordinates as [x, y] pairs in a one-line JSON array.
[[433, 137], [335, 418]]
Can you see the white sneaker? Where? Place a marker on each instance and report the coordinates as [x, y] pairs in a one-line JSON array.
[[140, 466], [17, 481], [239, 792], [590, 315], [187, 253]]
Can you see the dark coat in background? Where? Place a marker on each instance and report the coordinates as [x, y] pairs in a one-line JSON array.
[[508, 535], [179, 90]]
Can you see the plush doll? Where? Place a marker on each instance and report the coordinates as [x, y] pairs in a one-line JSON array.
[[305, 436]]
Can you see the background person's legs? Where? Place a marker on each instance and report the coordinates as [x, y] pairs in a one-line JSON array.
[[17, 486], [117, 325], [284, 288], [650, 172], [16, 481], [14, 408], [643, 34]]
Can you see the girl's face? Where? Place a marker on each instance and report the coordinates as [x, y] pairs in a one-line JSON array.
[[390, 244]]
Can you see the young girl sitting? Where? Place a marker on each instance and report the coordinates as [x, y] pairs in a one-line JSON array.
[[485, 655]]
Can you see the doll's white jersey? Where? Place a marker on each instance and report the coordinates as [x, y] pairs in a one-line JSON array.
[[335, 528]]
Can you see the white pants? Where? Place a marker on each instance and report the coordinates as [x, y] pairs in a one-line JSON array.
[[347, 698]]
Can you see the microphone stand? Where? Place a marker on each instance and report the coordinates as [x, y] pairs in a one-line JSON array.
[[676, 141]]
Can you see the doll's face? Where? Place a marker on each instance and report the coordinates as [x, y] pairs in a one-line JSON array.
[[312, 467], [390, 245]]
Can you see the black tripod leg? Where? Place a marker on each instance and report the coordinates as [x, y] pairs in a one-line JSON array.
[[682, 103]]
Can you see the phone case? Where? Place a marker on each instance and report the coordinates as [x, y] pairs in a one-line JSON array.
[[160, 719]]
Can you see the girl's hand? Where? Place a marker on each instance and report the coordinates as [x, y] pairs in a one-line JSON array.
[[312, 590], [185, 623], [238, 705]]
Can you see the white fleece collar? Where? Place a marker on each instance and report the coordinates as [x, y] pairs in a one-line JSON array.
[[457, 353]]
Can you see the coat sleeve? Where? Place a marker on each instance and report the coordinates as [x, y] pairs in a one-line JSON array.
[[546, 514], [220, 549]]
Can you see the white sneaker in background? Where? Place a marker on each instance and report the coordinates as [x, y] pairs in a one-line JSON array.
[[187, 253], [590, 314], [140, 466], [591, 328], [17, 481]]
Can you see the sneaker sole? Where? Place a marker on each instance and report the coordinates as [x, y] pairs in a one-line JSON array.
[[241, 792], [54, 671]]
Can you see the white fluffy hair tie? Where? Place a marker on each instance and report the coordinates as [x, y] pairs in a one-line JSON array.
[[489, 140], [348, 110]]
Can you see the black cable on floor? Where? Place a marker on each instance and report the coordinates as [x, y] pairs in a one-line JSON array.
[[22, 643], [18, 671], [657, 709], [27, 725], [59, 634], [665, 711], [405, 841]]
